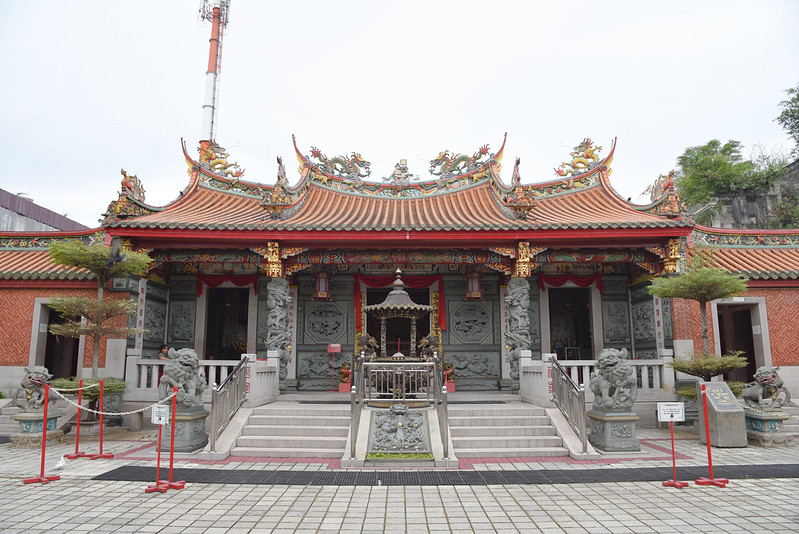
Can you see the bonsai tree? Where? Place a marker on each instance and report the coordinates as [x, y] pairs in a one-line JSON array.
[[703, 283], [101, 314]]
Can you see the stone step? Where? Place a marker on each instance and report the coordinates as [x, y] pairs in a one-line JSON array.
[[298, 420], [532, 452], [503, 410], [294, 409], [497, 420], [502, 430], [492, 443], [264, 452], [333, 444], [253, 429]]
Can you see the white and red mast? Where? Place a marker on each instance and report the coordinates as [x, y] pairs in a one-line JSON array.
[[217, 12]]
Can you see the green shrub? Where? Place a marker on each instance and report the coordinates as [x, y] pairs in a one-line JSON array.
[[706, 366]]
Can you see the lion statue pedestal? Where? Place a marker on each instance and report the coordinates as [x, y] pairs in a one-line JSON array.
[[615, 388], [29, 398], [183, 371], [764, 398]]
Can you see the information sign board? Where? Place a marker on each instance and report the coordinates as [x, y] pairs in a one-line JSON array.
[[671, 411], [160, 414]]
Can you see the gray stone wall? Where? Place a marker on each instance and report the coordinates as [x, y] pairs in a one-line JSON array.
[[182, 312]]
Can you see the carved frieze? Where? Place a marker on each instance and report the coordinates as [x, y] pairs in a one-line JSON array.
[[181, 322], [325, 322], [470, 322], [616, 323], [315, 365], [474, 364], [644, 321], [154, 320]]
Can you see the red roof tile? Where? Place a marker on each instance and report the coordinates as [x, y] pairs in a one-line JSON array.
[[36, 265]]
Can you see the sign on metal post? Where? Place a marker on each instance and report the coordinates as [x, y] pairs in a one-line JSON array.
[[160, 415], [671, 411]]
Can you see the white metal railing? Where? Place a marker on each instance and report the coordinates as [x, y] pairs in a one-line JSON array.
[[569, 396], [227, 398]]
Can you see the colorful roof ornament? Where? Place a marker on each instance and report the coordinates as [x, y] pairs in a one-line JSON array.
[[584, 158], [130, 202], [401, 175], [450, 165], [665, 198], [348, 167], [214, 158]]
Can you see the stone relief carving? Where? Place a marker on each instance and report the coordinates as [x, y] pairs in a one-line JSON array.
[[399, 429], [325, 322], [470, 322], [640, 293], [263, 322], [474, 365], [534, 322], [315, 365], [517, 338], [644, 321], [616, 322], [154, 320], [183, 287], [668, 331], [614, 287], [181, 322], [278, 335]]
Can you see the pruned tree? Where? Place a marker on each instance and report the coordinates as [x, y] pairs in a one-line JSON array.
[[94, 317], [701, 282]]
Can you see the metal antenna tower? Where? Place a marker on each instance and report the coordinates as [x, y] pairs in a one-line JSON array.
[[218, 13]]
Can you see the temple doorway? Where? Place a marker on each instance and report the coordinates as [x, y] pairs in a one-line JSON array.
[[226, 326], [398, 329], [736, 334], [60, 352], [570, 323]]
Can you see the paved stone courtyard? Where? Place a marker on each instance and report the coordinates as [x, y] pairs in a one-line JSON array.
[[79, 502]]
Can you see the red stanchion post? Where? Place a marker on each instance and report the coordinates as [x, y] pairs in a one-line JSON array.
[[720, 482], [159, 485], [41, 478], [78, 454], [108, 454], [180, 484], [674, 482]]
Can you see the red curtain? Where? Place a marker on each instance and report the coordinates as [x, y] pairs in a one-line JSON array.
[[216, 280], [414, 282], [557, 280]]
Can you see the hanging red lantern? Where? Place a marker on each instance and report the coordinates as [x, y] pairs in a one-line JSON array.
[[321, 286], [474, 286]]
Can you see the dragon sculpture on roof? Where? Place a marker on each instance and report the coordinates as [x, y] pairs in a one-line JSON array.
[[456, 164], [342, 166], [215, 158], [584, 157]]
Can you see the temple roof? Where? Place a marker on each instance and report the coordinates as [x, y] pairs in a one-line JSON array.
[[25, 256], [470, 199], [757, 254]]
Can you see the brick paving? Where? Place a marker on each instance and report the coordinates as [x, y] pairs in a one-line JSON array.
[[80, 502]]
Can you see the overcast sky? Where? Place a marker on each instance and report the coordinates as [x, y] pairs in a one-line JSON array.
[[91, 87]]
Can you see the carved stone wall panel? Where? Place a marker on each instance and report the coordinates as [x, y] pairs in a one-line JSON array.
[[183, 287], [612, 285], [470, 322], [474, 364], [615, 321], [181, 322], [644, 321], [262, 322], [154, 320], [640, 293], [318, 365], [668, 328], [325, 322], [535, 320]]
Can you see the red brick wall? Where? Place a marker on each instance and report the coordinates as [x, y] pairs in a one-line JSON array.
[[17, 306], [782, 305]]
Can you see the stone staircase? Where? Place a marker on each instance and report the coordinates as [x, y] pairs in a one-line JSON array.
[[291, 429], [503, 430]]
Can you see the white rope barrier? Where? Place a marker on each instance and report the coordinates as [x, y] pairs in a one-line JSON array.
[[115, 414], [65, 390]]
